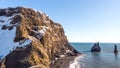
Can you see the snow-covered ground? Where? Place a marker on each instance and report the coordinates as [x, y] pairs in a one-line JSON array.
[[7, 37]]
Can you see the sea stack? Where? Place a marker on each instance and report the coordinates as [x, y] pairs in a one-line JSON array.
[[96, 48], [36, 40], [115, 49]]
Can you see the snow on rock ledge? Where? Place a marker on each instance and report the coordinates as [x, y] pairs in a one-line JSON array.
[[7, 36]]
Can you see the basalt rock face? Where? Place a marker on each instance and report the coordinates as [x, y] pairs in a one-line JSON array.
[[96, 48], [36, 39]]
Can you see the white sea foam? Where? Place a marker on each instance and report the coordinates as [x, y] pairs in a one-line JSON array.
[[77, 62]]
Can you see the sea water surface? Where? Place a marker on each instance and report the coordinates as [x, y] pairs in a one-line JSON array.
[[105, 59]]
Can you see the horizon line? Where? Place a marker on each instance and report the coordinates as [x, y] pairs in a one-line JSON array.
[[93, 42]]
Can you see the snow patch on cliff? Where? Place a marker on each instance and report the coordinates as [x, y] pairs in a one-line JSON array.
[[7, 37], [4, 20], [7, 41], [40, 33]]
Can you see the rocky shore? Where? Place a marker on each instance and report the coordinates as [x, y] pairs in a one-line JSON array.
[[62, 62]]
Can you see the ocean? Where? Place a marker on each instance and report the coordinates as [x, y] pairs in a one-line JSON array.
[[104, 59]]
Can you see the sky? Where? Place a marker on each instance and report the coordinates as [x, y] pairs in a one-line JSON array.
[[82, 20]]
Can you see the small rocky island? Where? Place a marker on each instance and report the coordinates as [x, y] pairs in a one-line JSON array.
[[115, 49], [96, 48]]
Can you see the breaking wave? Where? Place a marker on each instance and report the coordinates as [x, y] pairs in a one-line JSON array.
[[77, 62]]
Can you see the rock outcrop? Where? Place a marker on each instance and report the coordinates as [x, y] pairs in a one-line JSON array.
[[96, 48], [115, 49], [36, 40]]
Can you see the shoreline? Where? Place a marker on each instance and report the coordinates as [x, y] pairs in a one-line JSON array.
[[64, 62]]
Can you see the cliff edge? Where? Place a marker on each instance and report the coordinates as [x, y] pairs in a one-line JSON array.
[[29, 38]]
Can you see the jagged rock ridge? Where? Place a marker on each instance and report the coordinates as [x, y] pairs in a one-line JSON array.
[[36, 39]]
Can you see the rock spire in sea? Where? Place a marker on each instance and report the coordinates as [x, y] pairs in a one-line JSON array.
[[115, 49], [96, 48]]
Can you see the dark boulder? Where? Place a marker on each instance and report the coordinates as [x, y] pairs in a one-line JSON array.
[[2, 12], [4, 27], [96, 48], [115, 49]]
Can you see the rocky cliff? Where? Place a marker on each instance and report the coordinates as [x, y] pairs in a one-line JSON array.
[[30, 38]]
